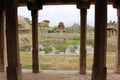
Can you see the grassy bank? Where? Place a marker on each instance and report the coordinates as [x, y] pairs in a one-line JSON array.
[[62, 62]]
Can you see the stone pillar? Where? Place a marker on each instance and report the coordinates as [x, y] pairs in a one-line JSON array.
[[83, 41], [99, 70], [34, 6], [83, 5], [2, 65], [35, 54], [118, 44], [13, 57]]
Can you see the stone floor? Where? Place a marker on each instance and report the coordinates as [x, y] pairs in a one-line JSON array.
[[59, 75]]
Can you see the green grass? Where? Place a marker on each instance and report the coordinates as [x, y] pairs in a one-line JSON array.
[[27, 67], [45, 67], [62, 62], [73, 41]]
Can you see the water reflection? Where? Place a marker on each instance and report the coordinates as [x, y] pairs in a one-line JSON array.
[[71, 49]]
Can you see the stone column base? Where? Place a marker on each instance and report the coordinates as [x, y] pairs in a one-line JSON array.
[[35, 68], [99, 74], [82, 70], [14, 73]]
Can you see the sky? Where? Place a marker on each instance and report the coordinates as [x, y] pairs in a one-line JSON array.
[[68, 14]]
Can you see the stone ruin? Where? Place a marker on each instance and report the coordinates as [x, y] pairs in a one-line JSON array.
[[61, 27], [45, 26], [112, 28], [112, 25], [60, 35], [45, 23], [75, 26]]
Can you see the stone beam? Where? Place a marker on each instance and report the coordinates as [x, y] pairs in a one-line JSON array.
[[58, 2]]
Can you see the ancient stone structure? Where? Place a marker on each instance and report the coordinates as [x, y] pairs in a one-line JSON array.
[[117, 6], [112, 28], [13, 70], [99, 62], [75, 26], [60, 32], [44, 23], [44, 26], [2, 38], [61, 27], [83, 6], [34, 7]]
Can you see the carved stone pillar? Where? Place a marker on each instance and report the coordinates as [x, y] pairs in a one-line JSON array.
[[83, 41], [13, 58], [83, 6], [117, 70], [99, 70], [35, 54], [34, 7], [2, 65], [116, 5]]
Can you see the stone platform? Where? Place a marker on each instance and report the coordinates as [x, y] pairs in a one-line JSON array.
[[59, 75]]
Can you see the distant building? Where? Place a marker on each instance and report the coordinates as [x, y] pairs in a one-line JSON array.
[[44, 23], [75, 26], [112, 25], [112, 28], [61, 27], [44, 26]]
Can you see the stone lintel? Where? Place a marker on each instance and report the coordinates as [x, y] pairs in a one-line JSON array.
[[59, 2]]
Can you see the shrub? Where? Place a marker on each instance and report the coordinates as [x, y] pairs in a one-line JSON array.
[[47, 49]]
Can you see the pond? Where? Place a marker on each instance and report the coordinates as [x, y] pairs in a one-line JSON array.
[[71, 49]]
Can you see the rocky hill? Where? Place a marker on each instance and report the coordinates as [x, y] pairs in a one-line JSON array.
[[24, 30], [23, 25]]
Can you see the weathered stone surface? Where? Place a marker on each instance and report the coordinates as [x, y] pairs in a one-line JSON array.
[[23, 25]]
